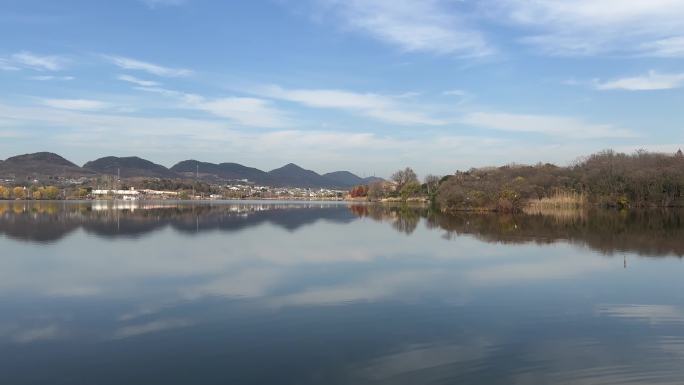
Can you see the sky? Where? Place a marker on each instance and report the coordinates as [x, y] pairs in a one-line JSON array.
[[368, 86]]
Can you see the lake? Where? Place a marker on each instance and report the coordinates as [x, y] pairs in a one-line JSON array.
[[333, 293]]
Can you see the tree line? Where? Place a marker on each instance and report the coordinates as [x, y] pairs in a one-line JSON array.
[[607, 178], [42, 192], [404, 185]]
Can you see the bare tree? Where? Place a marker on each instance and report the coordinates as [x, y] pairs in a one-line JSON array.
[[376, 190], [402, 177], [431, 181]]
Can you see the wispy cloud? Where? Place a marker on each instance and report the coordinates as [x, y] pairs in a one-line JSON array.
[[26, 59], [245, 111], [648, 82], [433, 26], [76, 104], [39, 62], [325, 149], [154, 69], [586, 27], [544, 124], [137, 81], [380, 107], [50, 77], [669, 47]]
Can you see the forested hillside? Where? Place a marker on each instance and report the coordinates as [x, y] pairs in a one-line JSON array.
[[607, 178]]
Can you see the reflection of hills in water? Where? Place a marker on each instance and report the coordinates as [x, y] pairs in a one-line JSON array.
[[647, 232], [654, 233], [50, 221]]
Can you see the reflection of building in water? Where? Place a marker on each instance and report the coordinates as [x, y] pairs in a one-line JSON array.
[[133, 194]]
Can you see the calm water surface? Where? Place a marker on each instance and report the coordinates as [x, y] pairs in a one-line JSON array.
[[321, 293]]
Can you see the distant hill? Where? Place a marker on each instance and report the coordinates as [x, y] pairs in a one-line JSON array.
[[46, 165], [221, 171], [372, 179], [129, 167], [295, 176], [40, 165], [344, 178], [289, 175]]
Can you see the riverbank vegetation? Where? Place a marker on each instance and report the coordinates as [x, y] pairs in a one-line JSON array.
[[33, 192], [403, 186], [607, 179]]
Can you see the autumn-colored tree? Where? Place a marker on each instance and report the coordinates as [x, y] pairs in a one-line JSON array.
[[18, 193], [4, 192], [51, 192], [359, 191], [83, 192]]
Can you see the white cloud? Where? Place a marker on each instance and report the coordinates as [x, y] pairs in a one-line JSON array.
[[82, 132], [39, 62], [569, 27], [669, 47], [50, 77], [433, 26], [25, 59], [328, 98], [380, 107], [246, 111], [154, 69], [163, 91], [252, 112], [76, 104], [137, 81], [544, 124], [651, 81]]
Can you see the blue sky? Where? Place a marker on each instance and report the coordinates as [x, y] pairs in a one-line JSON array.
[[364, 85]]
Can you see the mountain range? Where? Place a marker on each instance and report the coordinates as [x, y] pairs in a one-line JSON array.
[[47, 165]]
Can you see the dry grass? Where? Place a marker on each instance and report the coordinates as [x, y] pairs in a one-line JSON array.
[[560, 200], [564, 206]]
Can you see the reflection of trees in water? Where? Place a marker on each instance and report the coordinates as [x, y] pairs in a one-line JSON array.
[[647, 232], [403, 218]]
